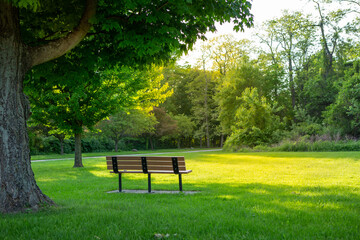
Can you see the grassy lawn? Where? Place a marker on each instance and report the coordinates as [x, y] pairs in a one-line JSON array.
[[243, 196]]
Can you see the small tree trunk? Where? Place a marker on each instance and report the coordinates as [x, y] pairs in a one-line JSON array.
[[147, 143], [151, 143], [61, 146], [116, 144], [178, 143], [222, 140], [200, 142], [291, 82], [18, 189], [78, 156], [61, 138]]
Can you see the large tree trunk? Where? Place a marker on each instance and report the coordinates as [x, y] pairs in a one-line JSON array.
[[18, 189], [78, 155], [18, 186]]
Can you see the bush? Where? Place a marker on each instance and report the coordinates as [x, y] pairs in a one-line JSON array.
[[92, 144], [256, 122], [317, 146]]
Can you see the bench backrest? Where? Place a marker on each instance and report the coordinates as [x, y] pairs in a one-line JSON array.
[[146, 164]]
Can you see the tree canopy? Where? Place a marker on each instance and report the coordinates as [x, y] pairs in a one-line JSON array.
[[124, 33]]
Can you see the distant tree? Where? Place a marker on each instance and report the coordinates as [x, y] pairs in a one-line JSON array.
[[127, 124], [344, 113], [226, 52], [254, 122], [248, 75], [185, 128], [201, 89], [179, 102], [165, 125], [61, 98], [293, 32]]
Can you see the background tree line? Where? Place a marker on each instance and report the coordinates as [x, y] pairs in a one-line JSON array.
[[297, 80]]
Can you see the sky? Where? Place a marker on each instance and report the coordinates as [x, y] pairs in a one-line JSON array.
[[262, 10]]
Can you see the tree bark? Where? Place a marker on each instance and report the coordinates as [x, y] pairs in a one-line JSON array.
[[61, 138], [116, 145], [328, 54], [78, 155], [57, 48], [116, 142], [18, 186]]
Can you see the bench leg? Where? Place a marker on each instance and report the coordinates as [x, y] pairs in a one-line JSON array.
[[180, 183], [149, 183], [120, 185]]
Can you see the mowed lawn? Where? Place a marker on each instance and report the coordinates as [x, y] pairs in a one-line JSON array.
[[242, 196]]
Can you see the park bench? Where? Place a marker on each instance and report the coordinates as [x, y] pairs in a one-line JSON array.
[[147, 165]]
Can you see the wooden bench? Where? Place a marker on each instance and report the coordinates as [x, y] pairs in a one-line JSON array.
[[147, 165]]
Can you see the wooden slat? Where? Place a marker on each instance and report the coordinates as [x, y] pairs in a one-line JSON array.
[[149, 162], [167, 163], [164, 158], [163, 172], [120, 158], [124, 157], [149, 168], [164, 168], [125, 162]]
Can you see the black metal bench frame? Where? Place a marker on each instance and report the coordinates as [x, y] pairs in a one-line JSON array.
[[145, 170]]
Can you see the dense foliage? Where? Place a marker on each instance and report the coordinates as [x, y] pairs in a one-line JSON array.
[[295, 87]]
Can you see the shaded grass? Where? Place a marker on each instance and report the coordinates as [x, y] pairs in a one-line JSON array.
[[243, 196]]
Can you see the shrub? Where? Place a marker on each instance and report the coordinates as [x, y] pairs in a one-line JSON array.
[[255, 122], [317, 146]]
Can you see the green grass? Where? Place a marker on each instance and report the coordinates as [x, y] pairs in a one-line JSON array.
[[243, 196]]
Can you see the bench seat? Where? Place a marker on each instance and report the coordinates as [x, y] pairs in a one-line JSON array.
[[161, 172]]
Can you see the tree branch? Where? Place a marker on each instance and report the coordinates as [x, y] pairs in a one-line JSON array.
[[59, 47], [159, 8], [352, 1]]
